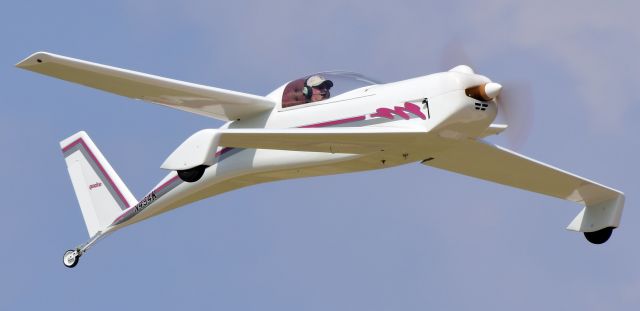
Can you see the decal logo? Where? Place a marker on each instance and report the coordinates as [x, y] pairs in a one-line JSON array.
[[96, 185], [146, 201], [403, 112]]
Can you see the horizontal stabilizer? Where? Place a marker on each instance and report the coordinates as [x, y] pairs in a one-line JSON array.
[[195, 98]]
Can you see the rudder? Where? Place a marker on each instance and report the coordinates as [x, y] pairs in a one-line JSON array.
[[101, 193]]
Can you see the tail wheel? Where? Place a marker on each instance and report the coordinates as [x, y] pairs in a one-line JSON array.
[[71, 258], [193, 174], [600, 236]]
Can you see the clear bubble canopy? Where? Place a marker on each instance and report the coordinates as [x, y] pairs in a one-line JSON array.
[[323, 85]]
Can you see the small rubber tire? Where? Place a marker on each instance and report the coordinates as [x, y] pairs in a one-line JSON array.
[[600, 236], [193, 174], [69, 259]]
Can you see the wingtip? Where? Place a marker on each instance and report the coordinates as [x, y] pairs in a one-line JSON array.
[[33, 59]]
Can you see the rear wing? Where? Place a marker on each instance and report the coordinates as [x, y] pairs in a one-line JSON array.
[[195, 98]]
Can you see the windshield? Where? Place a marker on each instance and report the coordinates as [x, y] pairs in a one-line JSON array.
[[322, 86]]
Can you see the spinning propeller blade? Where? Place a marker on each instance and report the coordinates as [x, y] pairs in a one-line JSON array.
[[515, 98], [454, 54], [515, 106]]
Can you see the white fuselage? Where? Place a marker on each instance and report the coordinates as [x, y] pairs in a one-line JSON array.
[[435, 104]]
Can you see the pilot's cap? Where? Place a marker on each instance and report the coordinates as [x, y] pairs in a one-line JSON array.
[[317, 80]]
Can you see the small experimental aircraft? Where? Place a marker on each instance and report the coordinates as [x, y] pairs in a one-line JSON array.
[[326, 123]]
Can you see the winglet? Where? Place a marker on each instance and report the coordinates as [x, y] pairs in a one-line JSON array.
[[599, 216]]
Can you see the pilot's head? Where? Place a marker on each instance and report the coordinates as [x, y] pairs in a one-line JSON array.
[[317, 88]]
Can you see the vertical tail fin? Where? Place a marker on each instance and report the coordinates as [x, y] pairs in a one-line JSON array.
[[101, 193]]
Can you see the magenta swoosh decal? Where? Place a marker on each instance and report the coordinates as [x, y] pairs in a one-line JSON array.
[[400, 111]]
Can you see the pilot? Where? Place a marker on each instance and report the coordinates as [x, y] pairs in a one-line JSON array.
[[316, 88]]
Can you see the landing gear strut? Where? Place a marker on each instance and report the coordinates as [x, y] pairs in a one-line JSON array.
[[71, 258], [600, 236], [193, 174]]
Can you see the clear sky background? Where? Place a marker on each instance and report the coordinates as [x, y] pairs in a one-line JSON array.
[[446, 242]]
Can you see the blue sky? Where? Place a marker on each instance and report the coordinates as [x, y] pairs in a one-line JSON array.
[[327, 243]]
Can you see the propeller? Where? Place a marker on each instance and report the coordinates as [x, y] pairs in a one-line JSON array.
[[515, 107], [514, 98]]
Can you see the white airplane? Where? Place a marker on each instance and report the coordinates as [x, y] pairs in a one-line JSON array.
[[321, 124]]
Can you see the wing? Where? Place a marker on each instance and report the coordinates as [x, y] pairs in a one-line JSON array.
[[198, 148], [199, 99], [603, 205], [356, 140]]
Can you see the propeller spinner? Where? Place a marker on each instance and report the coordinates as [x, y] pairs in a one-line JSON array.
[[484, 92]]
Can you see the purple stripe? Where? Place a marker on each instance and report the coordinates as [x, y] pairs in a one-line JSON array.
[[335, 122], [321, 124], [166, 183], [95, 160], [223, 151], [132, 209], [121, 216]]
